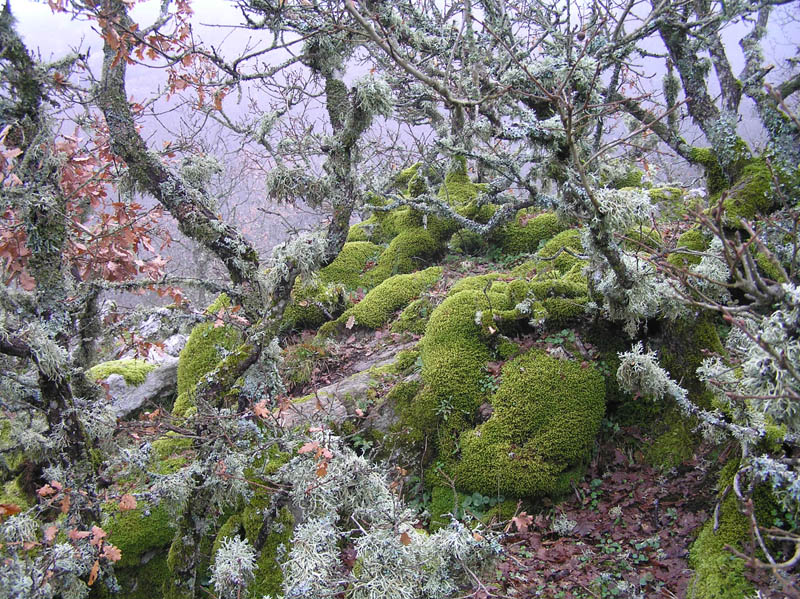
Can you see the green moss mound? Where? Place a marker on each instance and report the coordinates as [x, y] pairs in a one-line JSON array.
[[350, 266], [133, 371], [411, 250], [563, 261], [414, 318], [206, 346], [12, 493], [139, 531], [546, 415], [718, 573], [378, 306], [692, 240], [143, 581], [527, 232], [631, 178]]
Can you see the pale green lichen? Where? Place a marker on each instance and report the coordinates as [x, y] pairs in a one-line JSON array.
[[133, 371]]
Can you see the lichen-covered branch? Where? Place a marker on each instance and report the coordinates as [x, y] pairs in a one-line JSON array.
[[185, 203]]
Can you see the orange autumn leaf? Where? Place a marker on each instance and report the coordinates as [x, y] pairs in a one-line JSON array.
[[127, 502], [322, 469], [65, 504], [9, 509], [405, 539], [93, 573], [111, 553]]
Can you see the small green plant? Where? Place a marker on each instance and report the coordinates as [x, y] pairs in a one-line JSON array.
[[595, 492], [477, 504], [488, 384], [561, 337]]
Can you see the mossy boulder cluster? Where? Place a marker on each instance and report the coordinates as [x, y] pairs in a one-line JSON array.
[[491, 418]]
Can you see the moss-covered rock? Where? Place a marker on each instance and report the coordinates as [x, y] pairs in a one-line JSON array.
[[692, 240], [527, 232], [468, 242], [563, 261], [718, 573], [352, 263], [12, 493], [414, 318], [411, 250], [750, 196], [378, 306], [546, 415], [139, 531], [716, 179], [630, 178], [206, 346], [644, 239], [145, 580], [133, 371]]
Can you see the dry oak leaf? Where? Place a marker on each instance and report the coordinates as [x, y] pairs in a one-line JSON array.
[[127, 502], [9, 509], [76, 535], [111, 553], [93, 573], [522, 521], [50, 534], [98, 534]]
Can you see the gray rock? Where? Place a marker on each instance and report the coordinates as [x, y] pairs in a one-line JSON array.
[[335, 403], [159, 385]]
